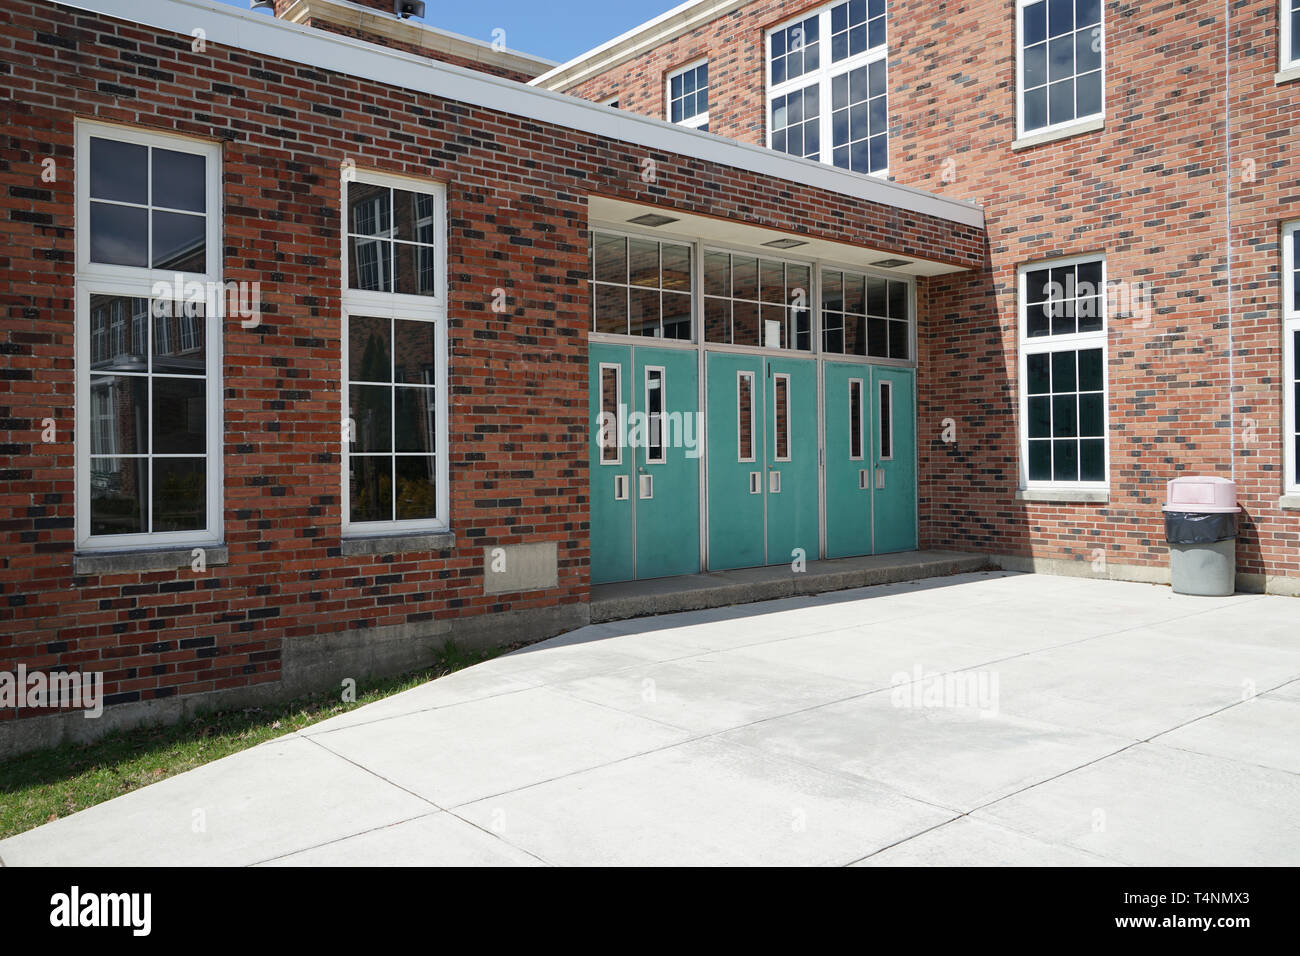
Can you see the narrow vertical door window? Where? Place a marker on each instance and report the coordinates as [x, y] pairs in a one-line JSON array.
[[886, 405], [654, 409], [781, 418], [745, 416], [855, 418]]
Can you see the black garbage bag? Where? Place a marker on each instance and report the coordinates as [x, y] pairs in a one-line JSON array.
[[1191, 527]]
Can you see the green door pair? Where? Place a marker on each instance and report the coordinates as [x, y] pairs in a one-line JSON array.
[[870, 459], [645, 445], [762, 464]]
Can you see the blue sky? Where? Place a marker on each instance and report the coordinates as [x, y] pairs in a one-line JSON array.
[[558, 31]]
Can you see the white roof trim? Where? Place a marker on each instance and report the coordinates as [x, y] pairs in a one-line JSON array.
[[230, 26], [680, 19], [346, 13]]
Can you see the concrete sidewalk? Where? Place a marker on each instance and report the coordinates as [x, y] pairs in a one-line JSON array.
[[1084, 723]]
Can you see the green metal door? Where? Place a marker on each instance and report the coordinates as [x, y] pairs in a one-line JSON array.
[[848, 443], [667, 483], [612, 465], [893, 404], [736, 462], [791, 482]]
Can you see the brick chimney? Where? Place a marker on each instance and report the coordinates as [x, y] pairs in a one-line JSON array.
[[383, 6]]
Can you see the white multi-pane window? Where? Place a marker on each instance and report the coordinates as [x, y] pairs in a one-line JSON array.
[[865, 315], [1061, 60], [756, 301], [1291, 356], [148, 424], [640, 286], [1289, 34], [827, 86], [1063, 404], [688, 96], [394, 334]]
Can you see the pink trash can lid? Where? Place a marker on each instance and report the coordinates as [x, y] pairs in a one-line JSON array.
[[1204, 493]]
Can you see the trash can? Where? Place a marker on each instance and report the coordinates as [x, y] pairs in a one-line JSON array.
[[1201, 529]]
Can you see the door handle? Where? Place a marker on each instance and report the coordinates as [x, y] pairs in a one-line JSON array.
[[880, 477], [755, 482], [620, 487], [862, 479], [645, 486], [773, 482]]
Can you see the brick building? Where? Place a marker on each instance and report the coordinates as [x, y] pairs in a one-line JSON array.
[[324, 333], [1146, 142], [296, 329]]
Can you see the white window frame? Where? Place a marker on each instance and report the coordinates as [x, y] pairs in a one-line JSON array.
[[699, 119], [617, 369], [885, 385], [1284, 58], [753, 419], [1058, 343], [394, 305], [139, 281], [662, 240], [823, 77], [662, 416], [789, 415], [1290, 326], [857, 386], [1048, 130]]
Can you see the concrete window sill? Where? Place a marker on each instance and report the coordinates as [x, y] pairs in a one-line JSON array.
[[1289, 502], [1078, 129], [1287, 74], [400, 543], [1065, 496], [156, 559]]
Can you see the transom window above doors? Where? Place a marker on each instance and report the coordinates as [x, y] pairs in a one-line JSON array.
[[688, 96], [755, 300], [827, 89], [640, 286], [1061, 53], [865, 315], [643, 286], [394, 333], [1063, 404], [148, 366]]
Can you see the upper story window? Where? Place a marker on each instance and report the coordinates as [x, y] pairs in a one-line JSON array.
[[757, 301], [1291, 355], [1289, 35], [865, 315], [688, 96], [394, 332], [1063, 405], [827, 89], [1061, 55], [640, 286], [148, 397]]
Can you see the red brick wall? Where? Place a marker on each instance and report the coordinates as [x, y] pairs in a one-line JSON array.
[[1148, 190], [516, 192]]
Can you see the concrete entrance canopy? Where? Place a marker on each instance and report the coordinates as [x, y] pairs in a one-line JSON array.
[[710, 229]]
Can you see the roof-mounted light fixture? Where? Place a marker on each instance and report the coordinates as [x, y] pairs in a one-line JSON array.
[[785, 243], [408, 8], [891, 263], [652, 219]]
